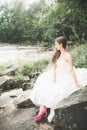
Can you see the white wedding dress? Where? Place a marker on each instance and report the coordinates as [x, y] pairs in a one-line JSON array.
[[47, 93]]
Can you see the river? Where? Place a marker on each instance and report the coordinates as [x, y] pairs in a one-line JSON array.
[[18, 53]]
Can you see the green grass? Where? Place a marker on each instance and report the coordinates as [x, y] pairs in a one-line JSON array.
[[32, 67], [4, 67], [19, 80]]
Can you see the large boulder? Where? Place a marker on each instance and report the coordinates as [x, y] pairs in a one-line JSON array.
[[71, 113]]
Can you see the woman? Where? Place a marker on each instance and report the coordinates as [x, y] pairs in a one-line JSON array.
[[57, 83]]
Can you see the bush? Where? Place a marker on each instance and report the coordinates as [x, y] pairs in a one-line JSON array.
[[4, 66], [19, 80], [33, 67], [26, 68], [79, 56]]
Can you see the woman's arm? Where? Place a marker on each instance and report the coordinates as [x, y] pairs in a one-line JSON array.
[[72, 72]]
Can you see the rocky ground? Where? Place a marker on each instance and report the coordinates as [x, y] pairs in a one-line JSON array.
[[17, 111]]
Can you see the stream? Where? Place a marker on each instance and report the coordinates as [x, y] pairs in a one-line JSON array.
[[18, 53]]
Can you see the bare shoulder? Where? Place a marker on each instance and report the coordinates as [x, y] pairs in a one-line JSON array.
[[68, 56]]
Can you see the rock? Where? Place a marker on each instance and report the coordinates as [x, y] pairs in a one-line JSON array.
[[12, 117], [6, 99], [17, 119], [9, 71], [72, 112], [75, 98], [23, 100], [18, 97], [10, 82], [46, 126], [34, 75], [26, 86], [25, 104], [3, 79]]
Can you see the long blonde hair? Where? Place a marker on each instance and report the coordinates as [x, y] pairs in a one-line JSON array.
[[60, 40]]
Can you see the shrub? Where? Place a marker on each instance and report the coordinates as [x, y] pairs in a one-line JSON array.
[[19, 80], [79, 56], [33, 67]]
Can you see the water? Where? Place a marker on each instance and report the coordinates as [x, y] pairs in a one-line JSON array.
[[16, 54]]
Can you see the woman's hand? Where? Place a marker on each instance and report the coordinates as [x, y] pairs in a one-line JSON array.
[[79, 86]]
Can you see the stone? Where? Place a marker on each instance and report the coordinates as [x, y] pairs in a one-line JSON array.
[[9, 82], [27, 85], [23, 100], [9, 71], [3, 79], [72, 112], [6, 99]]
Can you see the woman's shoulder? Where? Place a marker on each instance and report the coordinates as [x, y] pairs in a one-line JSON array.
[[68, 56]]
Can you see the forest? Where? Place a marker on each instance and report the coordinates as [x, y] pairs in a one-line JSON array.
[[41, 23]]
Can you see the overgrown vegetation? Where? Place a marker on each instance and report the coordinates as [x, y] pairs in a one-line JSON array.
[[41, 22], [73, 127], [25, 73], [19, 80], [33, 67], [3, 67], [79, 54]]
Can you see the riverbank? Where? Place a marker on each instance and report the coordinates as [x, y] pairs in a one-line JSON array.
[[20, 61], [15, 54], [16, 110]]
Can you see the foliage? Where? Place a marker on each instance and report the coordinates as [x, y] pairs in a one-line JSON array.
[[33, 67], [79, 55], [19, 79], [73, 127], [76, 17], [42, 22], [1, 68], [4, 67]]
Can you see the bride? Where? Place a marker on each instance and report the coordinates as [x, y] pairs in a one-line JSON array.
[[57, 83]]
